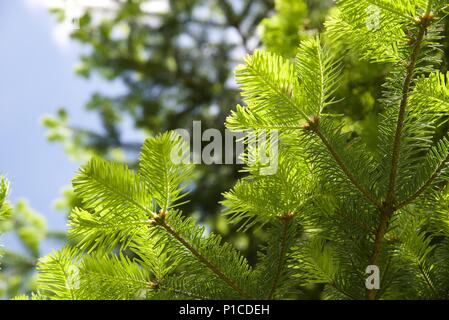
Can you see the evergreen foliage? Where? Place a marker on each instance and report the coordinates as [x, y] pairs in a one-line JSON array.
[[333, 208], [369, 203], [4, 206], [4, 188], [136, 213], [18, 268]]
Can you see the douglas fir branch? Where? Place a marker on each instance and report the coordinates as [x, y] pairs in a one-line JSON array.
[[334, 208]]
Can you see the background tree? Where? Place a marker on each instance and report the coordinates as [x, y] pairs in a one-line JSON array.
[[18, 268]]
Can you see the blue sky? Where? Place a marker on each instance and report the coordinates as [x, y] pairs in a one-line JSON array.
[[36, 65]]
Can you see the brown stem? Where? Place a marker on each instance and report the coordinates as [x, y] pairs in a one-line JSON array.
[[426, 185], [388, 207], [401, 116], [342, 291], [344, 168], [205, 261], [427, 279], [380, 234]]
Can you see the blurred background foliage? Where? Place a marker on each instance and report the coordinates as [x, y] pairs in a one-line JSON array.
[[176, 66]]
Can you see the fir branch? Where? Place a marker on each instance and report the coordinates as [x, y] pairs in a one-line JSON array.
[[319, 72], [204, 260], [427, 279], [315, 128], [112, 277], [56, 274], [286, 219], [401, 117], [358, 224], [270, 87], [164, 178], [391, 7], [334, 285], [380, 234], [388, 207], [98, 275], [425, 186], [167, 288]]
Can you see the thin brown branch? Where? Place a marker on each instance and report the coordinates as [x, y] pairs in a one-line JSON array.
[[380, 234], [388, 207], [426, 185], [344, 168], [401, 117], [342, 291], [427, 279], [205, 261]]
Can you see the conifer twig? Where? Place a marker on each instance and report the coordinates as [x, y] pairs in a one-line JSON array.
[[426, 185], [286, 220], [204, 260], [342, 291], [166, 288], [388, 207], [315, 128], [427, 279], [401, 116]]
